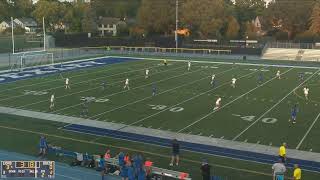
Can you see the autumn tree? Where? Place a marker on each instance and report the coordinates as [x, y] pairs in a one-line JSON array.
[[157, 16], [206, 17], [315, 19], [233, 28], [290, 17]]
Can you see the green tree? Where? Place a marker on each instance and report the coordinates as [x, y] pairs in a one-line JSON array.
[[118, 8], [315, 19], [88, 22], [233, 28], [290, 17], [157, 16], [206, 17], [248, 10], [4, 10], [52, 11], [22, 8]]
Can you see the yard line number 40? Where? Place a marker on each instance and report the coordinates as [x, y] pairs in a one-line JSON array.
[[265, 120], [162, 107]]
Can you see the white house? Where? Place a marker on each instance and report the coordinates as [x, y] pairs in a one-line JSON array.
[[6, 24], [109, 25], [29, 24]]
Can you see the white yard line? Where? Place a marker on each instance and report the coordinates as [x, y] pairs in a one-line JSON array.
[[169, 90], [307, 133], [78, 75], [221, 62], [239, 97], [81, 82], [275, 105], [77, 92], [189, 99]]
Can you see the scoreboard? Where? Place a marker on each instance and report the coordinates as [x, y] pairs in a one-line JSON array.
[[31, 169]]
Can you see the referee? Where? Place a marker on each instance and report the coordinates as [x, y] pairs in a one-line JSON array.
[[282, 152]]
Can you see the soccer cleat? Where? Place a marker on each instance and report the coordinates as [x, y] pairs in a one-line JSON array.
[[171, 164]]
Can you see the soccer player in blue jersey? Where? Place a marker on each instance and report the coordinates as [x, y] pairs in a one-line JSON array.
[[294, 112], [301, 76], [154, 90], [260, 78]]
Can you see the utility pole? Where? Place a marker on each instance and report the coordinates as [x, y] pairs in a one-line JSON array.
[[177, 22]]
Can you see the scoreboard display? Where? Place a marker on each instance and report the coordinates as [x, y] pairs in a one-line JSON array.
[[31, 169]]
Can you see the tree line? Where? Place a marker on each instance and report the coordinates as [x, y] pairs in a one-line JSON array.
[[219, 19]]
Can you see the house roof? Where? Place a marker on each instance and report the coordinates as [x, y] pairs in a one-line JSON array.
[[28, 21], [109, 20], [9, 23]]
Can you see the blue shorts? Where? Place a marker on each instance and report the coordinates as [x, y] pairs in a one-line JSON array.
[[176, 153]]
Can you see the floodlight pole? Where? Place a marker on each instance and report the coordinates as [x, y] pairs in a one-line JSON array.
[[12, 37], [44, 34], [177, 21]]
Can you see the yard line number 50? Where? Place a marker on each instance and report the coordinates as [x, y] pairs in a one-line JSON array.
[[162, 107]]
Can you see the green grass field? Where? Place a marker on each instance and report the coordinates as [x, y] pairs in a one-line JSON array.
[[184, 103]]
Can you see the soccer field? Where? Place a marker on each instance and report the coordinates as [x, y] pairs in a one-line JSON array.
[[251, 112]]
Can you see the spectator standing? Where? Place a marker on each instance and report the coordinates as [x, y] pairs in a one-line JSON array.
[[124, 172], [148, 165], [131, 173], [175, 152], [142, 174], [282, 152], [278, 170], [107, 155], [296, 172], [102, 166], [121, 159], [43, 146], [205, 170]]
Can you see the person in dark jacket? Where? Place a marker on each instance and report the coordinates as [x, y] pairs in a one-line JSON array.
[[175, 152], [205, 170]]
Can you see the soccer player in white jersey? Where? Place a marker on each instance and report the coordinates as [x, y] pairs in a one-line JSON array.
[[147, 73], [278, 74], [233, 82], [218, 103], [67, 83], [213, 80], [306, 92], [52, 101], [189, 65], [126, 84]]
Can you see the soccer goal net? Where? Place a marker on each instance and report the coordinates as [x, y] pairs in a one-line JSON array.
[[30, 59]]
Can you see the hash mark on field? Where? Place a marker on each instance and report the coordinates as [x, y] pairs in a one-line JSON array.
[[236, 115], [159, 127], [221, 137], [270, 144], [246, 140], [258, 142], [211, 135], [140, 125], [190, 132], [310, 150]]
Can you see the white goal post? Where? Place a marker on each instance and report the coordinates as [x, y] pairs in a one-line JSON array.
[[30, 59]]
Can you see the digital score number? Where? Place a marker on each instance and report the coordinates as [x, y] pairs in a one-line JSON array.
[[31, 169]]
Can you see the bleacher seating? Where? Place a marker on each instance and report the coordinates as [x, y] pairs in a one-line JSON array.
[[292, 54], [280, 54], [311, 55]]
